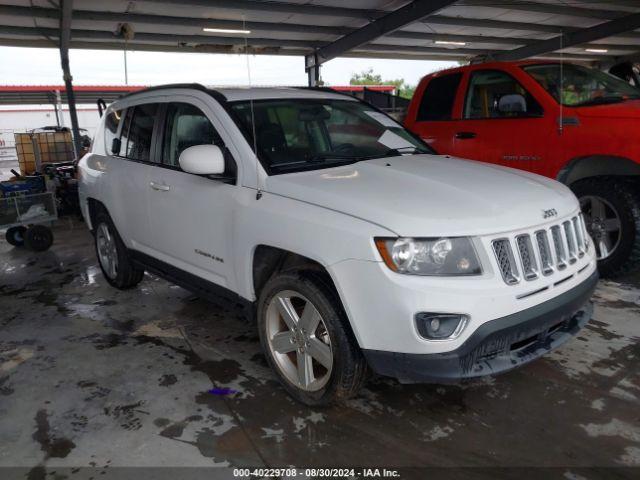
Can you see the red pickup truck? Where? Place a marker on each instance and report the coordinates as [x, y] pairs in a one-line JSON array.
[[578, 125]]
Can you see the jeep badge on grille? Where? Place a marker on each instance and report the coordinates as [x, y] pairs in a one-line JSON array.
[[549, 213]]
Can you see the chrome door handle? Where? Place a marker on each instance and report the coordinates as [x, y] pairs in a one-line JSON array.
[[159, 186]]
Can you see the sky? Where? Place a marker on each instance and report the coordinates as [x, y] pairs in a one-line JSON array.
[[41, 66]]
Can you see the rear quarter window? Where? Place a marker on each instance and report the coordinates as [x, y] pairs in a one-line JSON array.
[[438, 98], [111, 124]]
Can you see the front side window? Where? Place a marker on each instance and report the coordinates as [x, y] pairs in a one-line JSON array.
[[186, 126], [306, 134], [438, 98], [496, 94], [137, 144], [577, 86]]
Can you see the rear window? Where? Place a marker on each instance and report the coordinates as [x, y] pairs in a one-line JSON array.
[[111, 123], [438, 98], [136, 144]]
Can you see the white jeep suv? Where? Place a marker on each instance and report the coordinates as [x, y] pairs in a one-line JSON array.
[[358, 246]]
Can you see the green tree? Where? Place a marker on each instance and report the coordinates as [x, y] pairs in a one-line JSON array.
[[368, 77]]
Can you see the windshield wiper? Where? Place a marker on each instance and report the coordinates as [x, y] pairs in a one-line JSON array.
[[323, 157], [603, 100], [394, 152]]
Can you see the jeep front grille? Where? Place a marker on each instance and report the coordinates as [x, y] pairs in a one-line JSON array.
[[549, 250]]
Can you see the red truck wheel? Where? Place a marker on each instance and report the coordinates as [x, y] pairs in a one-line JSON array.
[[612, 215]]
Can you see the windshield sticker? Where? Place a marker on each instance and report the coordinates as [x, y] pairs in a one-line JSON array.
[[382, 119], [392, 140]]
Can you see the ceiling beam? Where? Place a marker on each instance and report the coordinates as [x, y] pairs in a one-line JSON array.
[[604, 30], [385, 25], [504, 25], [425, 54], [220, 49], [556, 8], [278, 7]]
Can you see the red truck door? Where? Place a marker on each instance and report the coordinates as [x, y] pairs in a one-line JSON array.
[[432, 119], [502, 123]]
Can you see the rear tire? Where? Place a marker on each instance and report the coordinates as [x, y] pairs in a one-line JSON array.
[[113, 256], [38, 238], [603, 200], [330, 338], [15, 236]]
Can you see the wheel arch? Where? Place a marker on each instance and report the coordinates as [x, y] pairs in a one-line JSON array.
[[597, 166], [268, 260], [94, 206]]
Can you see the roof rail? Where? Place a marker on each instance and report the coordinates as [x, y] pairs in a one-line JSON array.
[[194, 86]]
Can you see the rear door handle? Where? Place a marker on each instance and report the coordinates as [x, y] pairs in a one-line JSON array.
[[159, 186], [465, 135]]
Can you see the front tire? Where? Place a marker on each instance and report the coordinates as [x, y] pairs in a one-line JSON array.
[[305, 336], [113, 256], [611, 210]]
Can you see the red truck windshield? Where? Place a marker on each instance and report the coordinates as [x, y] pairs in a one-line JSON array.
[[577, 86]]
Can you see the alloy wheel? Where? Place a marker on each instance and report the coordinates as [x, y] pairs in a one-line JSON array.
[[107, 250], [299, 341], [603, 224]]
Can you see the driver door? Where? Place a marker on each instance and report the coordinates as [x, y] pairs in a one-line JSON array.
[[488, 133]]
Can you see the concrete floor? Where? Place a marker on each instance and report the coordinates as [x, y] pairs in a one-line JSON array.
[[91, 376]]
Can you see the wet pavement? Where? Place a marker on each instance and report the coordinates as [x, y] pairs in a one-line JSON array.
[[92, 376]]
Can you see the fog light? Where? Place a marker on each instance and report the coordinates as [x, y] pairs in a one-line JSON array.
[[440, 326]]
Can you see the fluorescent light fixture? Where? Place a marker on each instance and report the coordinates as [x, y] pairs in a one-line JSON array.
[[449, 42], [596, 50], [226, 30]]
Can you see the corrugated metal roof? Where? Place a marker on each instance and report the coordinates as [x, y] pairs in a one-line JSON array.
[[297, 27]]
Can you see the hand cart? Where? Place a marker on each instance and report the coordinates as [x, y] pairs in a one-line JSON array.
[[27, 219]]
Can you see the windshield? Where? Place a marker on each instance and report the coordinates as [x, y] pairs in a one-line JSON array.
[[307, 134], [581, 86]]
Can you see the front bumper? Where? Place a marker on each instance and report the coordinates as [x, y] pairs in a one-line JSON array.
[[498, 345]]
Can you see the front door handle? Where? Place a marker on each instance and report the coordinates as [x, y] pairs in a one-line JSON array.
[[159, 186], [465, 135]]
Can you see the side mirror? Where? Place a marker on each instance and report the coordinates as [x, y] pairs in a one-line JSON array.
[[115, 146], [514, 103], [202, 160]]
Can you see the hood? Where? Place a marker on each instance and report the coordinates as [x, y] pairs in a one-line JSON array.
[[429, 195], [628, 109]]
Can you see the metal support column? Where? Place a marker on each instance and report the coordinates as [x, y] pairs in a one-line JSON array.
[[313, 69], [66, 9]]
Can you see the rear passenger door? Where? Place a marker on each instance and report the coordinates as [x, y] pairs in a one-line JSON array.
[[191, 215], [434, 120], [128, 170]]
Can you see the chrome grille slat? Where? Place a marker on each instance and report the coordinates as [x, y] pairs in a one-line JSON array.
[[571, 241], [558, 245], [544, 249], [577, 227], [506, 261], [527, 257]]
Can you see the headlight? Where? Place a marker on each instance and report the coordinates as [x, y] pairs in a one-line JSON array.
[[429, 256]]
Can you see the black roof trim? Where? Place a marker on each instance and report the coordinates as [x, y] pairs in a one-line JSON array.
[[193, 86]]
